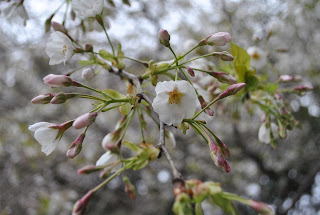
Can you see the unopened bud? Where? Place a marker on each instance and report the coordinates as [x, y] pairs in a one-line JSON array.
[[260, 207], [226, 56], [89, 169], [81, 205], [88, 48], [218, 158], [164, 37], [222, 147], [223, 77], [203, 104], [110, 141], [42, 98], [99, 20], [58, 27], [190, 71], [76, 146], [218, 39], [301, 90], [58, 80], [78, 50], [231, 90], [129, 188], [61, 98], [88, 74], [84, 120], [200, 192]]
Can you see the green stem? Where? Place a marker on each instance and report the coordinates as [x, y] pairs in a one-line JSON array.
[[197, 130], [186, 54], [184, 74], [73, 71], [213, 101], [108, 179], [140, 116], [97, 91], [202, 56], [133, 59], [105, 31], [174, 54]]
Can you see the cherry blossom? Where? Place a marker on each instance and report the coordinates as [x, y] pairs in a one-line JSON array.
[[258, 57], [175, 101], [88, 8], [59, 48], [46, 134]]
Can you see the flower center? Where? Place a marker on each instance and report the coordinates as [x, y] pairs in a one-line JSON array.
[[256, 56], [64, 49], [175, 96]]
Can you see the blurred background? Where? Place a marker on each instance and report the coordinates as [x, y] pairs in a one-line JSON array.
[[287, 178]]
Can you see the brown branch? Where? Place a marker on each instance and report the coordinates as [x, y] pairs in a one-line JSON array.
[[176, 174]]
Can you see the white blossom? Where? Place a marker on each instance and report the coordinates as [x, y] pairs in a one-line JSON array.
[[47, 135], [59, 48], [108, 158], [175, 101], [258, 57], [87, 8], [264, 132]]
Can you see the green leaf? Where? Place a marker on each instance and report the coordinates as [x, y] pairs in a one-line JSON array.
[[86, 62], [241, 61], [125, 109], [271, 87], [130, 145], [198, 209], [225, 204], [252, 82], [105, 54], [114, 94]]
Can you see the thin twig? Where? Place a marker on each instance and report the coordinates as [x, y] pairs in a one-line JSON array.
[[176, 174]]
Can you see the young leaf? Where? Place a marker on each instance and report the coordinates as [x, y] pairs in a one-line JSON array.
[[114, 94], [125, 109], [241, 61]]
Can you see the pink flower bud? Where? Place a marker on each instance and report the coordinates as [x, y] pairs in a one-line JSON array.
[[58, 27], [190, 71], [81, 205], [231, 90], [89, 169], [84, 120], [43, 98], [88, 74], [76, 146], [218, 158], [110, 141], [301, 90], [261, 207], [58, 80], [88, 47], [62, 98], [164, 37], [223, 77], [222, 147], [218, 39], [225, 56], [129, 188], [203, 104]]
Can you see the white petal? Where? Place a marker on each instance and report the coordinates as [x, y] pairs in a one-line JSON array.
[[107, 158], [38, 125], [264, 134], [165, 86], [47, 138]]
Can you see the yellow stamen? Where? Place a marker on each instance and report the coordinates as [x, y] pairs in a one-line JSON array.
[[64, 49], [256, 56], [175, 96]]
